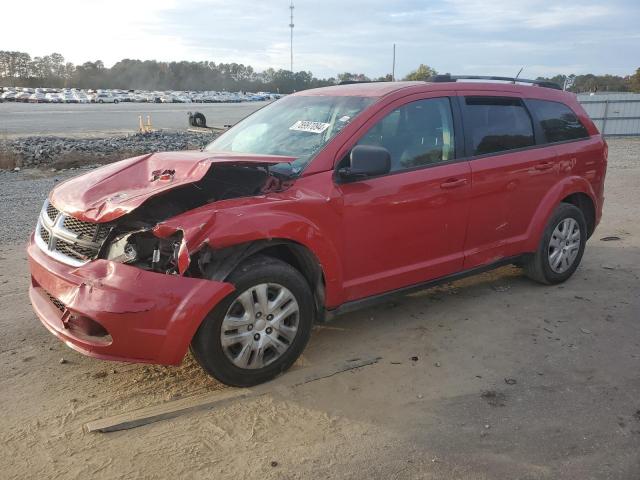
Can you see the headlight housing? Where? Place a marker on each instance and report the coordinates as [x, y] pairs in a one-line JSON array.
[[144, 250]]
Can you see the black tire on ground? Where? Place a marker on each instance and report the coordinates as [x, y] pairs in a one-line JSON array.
[[538, 266], [116, 101], [100, 101], [206, 345], [199, 120]]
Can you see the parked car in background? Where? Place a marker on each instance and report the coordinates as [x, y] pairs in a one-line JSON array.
[[103, 97], [182, 98], [82, 97], [54, 98], [23, 96], [68, 96], [9, 96], [322, 202], [38, 97], [73, 95]]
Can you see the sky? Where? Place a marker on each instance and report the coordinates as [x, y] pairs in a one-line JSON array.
[[333, 36]]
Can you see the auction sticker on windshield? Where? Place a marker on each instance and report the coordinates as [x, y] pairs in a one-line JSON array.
[[307, 126]]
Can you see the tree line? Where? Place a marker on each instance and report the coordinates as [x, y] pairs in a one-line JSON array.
[[21, 70], [574, 83], [597, 83]]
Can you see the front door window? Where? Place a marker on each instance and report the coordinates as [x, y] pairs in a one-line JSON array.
[[417, 134]]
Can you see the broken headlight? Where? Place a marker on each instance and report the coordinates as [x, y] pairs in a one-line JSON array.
[[143, 249]]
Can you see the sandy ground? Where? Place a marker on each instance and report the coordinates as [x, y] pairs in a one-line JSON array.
[[572, 413]]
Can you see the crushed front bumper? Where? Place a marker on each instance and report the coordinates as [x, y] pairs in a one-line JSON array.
[[114, 311]]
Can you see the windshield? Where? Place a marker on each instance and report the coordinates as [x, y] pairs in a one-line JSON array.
[[295, 126]]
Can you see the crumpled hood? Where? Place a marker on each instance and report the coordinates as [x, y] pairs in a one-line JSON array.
[[114, 190]]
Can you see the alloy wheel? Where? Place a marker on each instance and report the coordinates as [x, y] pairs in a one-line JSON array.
[[260, 326], [564, 245]]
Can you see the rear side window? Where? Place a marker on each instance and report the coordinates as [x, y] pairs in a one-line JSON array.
[[496, 124], [558, 121]]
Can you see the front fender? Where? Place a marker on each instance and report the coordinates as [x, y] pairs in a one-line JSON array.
[[554, 196], [220, 228]]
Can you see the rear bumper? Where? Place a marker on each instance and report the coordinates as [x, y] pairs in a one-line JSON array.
[[140, 316]]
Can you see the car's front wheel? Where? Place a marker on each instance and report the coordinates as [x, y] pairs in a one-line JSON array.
[[561, 246], [259, 330]]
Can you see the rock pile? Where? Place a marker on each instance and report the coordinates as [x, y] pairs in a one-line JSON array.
[[33, 152]]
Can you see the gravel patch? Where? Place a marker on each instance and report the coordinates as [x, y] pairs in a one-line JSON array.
[[22, 195], [624, 152], [46, 151]]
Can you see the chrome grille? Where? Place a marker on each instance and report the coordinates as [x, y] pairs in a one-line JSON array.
[[89, 231], [52, 212], [75, 251], [44, 234], [68, 239]]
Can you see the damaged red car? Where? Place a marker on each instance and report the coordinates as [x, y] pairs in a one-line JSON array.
[[321, 202]]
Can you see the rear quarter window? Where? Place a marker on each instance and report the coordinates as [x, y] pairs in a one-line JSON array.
[[558, 122]]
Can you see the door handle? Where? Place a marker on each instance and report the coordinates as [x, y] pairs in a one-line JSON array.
[[454, 183], [544, 166]]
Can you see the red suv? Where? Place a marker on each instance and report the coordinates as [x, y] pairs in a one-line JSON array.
[[320, 202]]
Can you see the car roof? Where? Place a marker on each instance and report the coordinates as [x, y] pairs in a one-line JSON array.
[[381, 89], [360, 89]]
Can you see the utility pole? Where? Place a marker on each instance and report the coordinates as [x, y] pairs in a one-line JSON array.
[[291, 7], [393, 67]]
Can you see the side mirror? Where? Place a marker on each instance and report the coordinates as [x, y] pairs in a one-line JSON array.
[[366, 161]]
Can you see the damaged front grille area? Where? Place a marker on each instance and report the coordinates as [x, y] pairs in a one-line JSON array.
[[57, 303], [68, 239], [89, 231], [78, 325], [75, 251]]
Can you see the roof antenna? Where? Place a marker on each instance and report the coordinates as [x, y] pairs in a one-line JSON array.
[[519, 72]]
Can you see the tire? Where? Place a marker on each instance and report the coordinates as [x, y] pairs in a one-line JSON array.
[[100, 101], [228, 363], [556, 248], [116, 101], [199, 120]]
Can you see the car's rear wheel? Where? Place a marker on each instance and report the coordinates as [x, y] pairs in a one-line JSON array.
[[561, 247], [259, 330]]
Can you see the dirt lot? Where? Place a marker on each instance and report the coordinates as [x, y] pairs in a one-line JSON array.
[[573, 411]]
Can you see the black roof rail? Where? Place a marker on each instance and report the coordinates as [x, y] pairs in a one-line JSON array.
[[455, 78], [351, 82]]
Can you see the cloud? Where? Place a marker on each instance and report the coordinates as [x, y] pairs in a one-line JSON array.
[[505, 14], [467, 36], [87, 30]]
